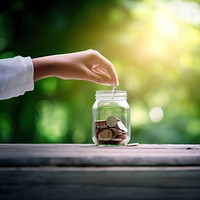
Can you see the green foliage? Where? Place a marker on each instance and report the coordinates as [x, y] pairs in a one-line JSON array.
[[154, 45]]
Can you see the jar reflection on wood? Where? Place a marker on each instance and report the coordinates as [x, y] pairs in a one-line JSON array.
[[111, 118]]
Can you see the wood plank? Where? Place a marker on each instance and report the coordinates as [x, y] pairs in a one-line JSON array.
[[91, 155], [31, 171], [100, 183], [163, 177]]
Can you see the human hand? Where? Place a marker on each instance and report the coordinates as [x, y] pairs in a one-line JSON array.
[[87, 65]]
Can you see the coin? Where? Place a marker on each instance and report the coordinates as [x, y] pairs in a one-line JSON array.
[[123, 137], [117, 139], [101, 124], [114, 131], [111, 121], [110, 131], [121, 126], [105, 135]]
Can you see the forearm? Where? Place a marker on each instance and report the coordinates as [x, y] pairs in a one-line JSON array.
[[45, 67], [63, 66]]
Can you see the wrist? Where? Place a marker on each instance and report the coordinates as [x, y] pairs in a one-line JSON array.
[[44, 67]]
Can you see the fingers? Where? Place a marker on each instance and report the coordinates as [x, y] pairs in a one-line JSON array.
[[101, 71], [101, 79], [109, 68], [106, 69]]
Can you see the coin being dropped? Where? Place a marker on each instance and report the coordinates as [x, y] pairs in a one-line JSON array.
[[105, 135], [114, 90], [121, 126], [111, 121]]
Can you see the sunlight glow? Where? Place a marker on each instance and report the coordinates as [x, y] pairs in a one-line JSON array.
[[187, 11], [165, 24]]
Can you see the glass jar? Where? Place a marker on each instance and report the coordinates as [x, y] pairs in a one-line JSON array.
[[111, 118]]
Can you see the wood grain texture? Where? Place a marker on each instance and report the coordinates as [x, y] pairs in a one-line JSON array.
[[100, 183], [91, 155], [77, 172]]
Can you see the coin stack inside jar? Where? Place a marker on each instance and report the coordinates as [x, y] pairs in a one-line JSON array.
[[110, 131]]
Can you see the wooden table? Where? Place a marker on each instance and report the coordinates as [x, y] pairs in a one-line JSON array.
[[86, 171]]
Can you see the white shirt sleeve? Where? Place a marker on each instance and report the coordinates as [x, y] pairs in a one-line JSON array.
[[16, 76]]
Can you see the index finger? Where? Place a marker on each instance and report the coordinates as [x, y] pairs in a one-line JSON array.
[[108, 68]]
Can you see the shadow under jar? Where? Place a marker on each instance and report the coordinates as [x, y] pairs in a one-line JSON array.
[[111, 118]]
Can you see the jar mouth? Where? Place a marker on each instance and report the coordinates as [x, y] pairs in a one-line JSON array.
[[110, 94]]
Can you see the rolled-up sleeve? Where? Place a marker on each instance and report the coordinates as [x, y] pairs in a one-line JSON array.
[[16, 76]]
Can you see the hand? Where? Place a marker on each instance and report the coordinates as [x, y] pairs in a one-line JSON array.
[[87, 65]]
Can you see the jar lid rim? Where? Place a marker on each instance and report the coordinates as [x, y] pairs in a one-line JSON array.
[[110, 91]]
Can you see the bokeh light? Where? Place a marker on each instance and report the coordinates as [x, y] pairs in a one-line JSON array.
[[156, 114], [52, 121]]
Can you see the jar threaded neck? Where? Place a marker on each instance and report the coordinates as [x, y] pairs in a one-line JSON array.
[[109, 95]]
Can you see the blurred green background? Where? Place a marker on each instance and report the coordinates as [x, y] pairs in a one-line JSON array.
[[154, 45]]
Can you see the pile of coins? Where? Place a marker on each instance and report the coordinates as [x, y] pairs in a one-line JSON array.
[[110, 131]]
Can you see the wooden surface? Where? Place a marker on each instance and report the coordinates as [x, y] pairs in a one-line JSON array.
[[68, 171], [91, 155]]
